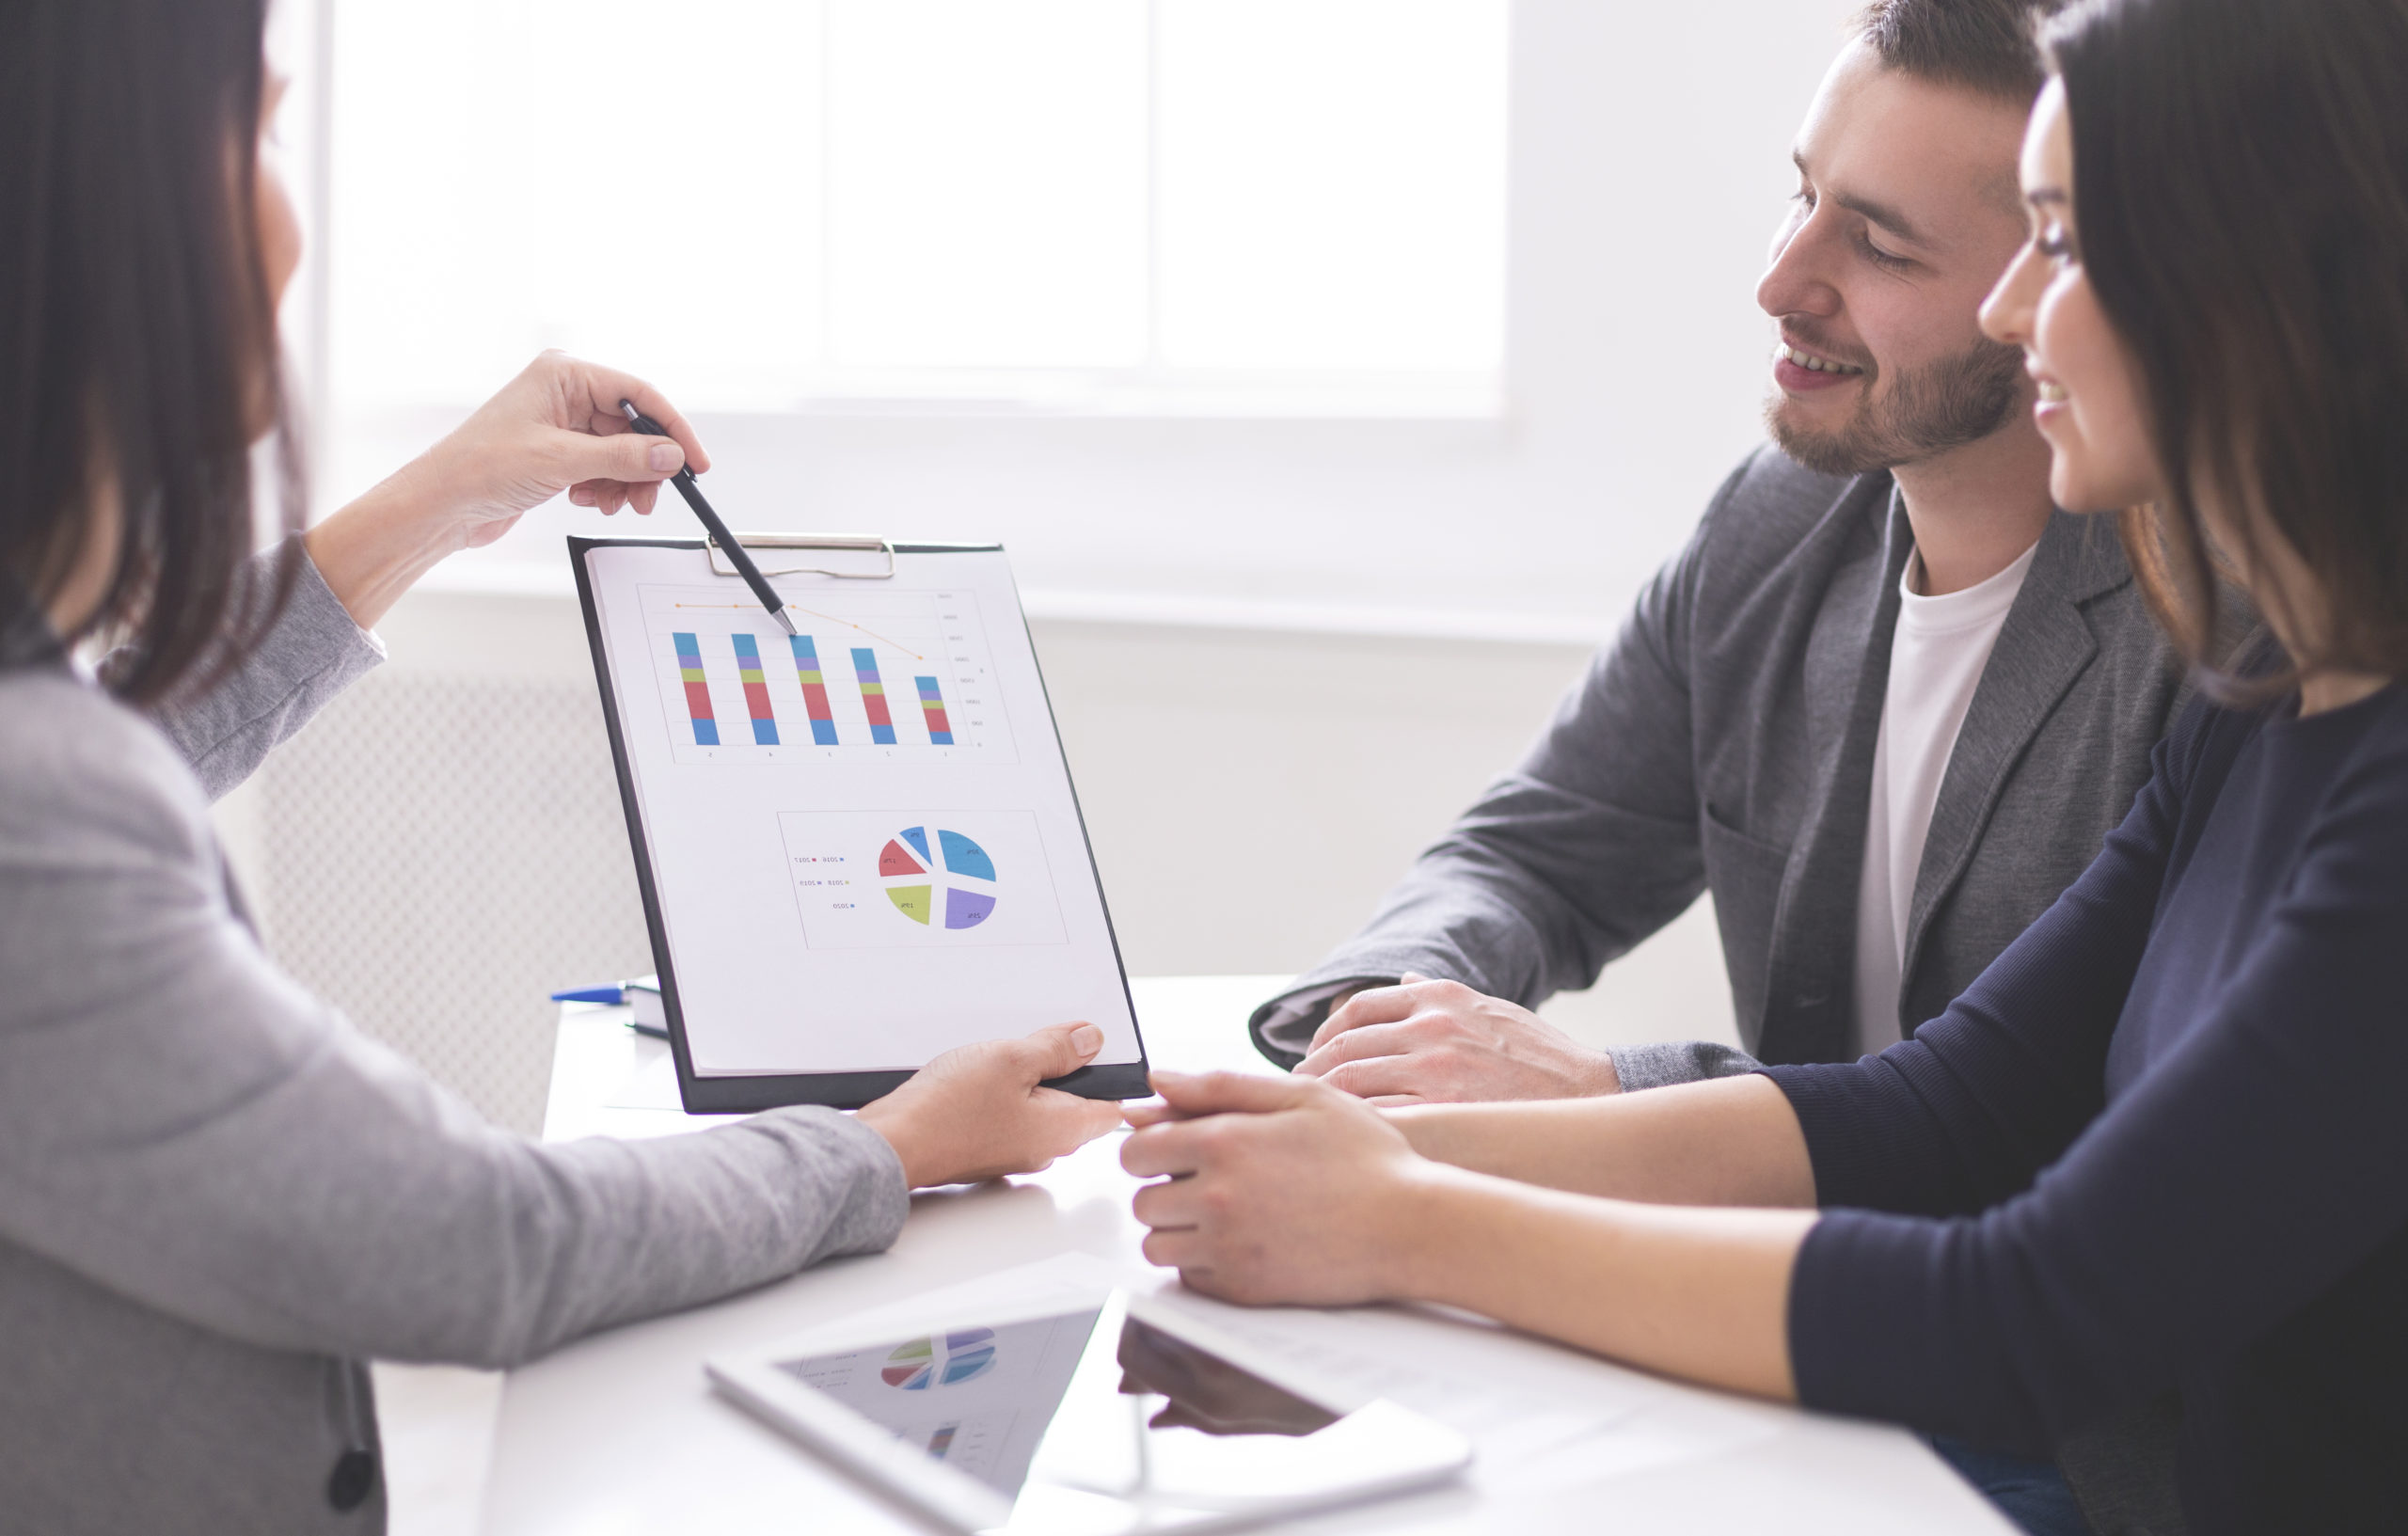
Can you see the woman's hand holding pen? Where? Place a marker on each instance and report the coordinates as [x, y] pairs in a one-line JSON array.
[[556, 427]]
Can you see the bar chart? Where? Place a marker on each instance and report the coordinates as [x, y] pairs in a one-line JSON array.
[[833, 702]]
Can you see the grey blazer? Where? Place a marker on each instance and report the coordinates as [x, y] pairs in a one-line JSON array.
[[1725, 742], [216, 1196]]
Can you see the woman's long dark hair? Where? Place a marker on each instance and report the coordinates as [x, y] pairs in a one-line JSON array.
[[137, 346], [2241, 190]]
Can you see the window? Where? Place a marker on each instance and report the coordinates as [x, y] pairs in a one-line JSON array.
[[1142, 206]]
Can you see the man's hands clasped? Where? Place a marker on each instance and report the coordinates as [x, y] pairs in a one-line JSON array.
[[1424, 1041]]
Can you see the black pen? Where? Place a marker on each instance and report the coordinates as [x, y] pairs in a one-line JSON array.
[[684, 481]]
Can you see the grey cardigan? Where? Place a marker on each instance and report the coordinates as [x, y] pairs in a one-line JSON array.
[[216, 1196], [1725, 742]]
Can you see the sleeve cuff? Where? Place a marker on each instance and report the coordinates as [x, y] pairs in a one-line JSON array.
[[1661, 1064], [871, 1214], [325, 616], [1832, 1119], [1284, 1026]]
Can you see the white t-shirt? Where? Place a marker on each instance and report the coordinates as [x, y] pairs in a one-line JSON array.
[[1936, 660]]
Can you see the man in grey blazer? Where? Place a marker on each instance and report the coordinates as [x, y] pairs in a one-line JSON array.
[[1885, 704]]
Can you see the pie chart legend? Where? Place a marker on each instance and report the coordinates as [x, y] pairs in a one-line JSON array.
[[921, 876]]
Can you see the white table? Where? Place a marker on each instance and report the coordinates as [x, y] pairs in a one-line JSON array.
[[618, 1435]]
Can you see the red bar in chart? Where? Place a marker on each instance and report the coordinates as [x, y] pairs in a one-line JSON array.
[[932, 700], [881, 724], [815, 691], [698, 691]]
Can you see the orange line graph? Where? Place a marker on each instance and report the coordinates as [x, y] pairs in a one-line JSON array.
[[814, 613]]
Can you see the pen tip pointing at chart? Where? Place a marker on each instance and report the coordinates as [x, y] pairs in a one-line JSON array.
[[786, 620]]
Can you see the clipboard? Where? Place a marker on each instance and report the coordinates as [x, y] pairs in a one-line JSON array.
[[855, 848]]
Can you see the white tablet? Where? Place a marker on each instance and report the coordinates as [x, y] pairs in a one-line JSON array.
[[1119, 1415]]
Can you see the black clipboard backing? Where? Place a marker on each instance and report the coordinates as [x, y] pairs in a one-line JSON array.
[[751, 1093]]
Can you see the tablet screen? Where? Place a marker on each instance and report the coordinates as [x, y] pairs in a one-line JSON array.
[[1074, 1415]]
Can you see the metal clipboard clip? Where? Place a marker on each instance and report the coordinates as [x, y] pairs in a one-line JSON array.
[[856, 543]]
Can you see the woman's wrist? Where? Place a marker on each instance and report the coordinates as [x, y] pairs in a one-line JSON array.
[[376, 548], [1434, 1130], [1424, 1229], [902, 1133]]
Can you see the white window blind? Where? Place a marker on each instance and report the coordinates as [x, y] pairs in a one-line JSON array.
[[1129, 205]]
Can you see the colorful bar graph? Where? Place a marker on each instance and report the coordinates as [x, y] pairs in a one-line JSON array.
[[815, 691], [698, 692], [757, 691], [932, 699], [881, 724]]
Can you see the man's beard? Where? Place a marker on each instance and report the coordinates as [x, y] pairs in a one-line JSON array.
[[1945, 405]]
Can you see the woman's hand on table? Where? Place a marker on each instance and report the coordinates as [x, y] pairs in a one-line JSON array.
[[556, 427], [978, 1112], [1275, 1189], [1288, 1191]]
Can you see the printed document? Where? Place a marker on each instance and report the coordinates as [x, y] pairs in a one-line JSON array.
[[861, 841]]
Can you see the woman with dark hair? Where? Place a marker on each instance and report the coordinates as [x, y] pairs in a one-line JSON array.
[[2155, 1154], [215, 1196]]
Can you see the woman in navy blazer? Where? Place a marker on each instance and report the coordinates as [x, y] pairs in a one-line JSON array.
[[2156, 1151]]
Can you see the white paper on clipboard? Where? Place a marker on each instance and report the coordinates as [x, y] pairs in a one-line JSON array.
[[862, 840]]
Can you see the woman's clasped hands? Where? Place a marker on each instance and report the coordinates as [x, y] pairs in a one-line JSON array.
[[1275, 1189]]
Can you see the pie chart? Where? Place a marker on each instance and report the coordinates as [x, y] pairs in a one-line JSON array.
[[927, 873], [942, 1360]]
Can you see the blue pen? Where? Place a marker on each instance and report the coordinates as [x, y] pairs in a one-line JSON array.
[[615, 992]]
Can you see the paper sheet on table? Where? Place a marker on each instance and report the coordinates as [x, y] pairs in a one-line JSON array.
[[1542, 1417], [650, 1083]]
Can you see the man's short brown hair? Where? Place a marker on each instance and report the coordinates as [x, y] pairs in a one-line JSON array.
[[1983, 46]]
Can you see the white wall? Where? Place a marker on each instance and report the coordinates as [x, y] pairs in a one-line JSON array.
[[1649, 162], [1284, 649]]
